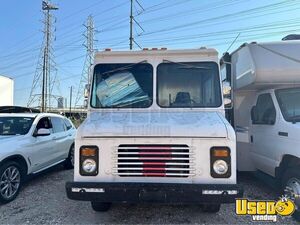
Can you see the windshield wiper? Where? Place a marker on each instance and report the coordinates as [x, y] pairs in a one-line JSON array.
[[187, 66], [124, 67], [294, 119]]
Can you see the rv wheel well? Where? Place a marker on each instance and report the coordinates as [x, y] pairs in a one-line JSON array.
[[288, 161]]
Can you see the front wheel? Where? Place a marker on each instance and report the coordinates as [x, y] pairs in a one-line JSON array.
[[101, 206], [10, 181], [291, 187], [69, 163], [211, 208]]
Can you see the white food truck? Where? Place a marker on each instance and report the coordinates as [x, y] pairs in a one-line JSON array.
[[155, 132], [266, 110]]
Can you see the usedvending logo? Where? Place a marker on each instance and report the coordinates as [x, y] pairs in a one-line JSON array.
[[265, 210]]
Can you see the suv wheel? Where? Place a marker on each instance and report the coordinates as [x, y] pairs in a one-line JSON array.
[[10, 181], [69, 163], [101, 206]]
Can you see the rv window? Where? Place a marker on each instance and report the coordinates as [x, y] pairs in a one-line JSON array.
[[188, 84], [122, 86], [265, 112], [289, 103]]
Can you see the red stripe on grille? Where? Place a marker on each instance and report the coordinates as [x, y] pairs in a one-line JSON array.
[[155, 158], [155, 147], [155, 153], [154, 174], [154, 168], [154, 163]]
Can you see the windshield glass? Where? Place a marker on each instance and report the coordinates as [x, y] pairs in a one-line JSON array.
[[15, 125], [122, 86], [288, 100], [194, 84]]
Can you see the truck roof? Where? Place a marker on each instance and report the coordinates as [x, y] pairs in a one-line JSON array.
[[160, 53]]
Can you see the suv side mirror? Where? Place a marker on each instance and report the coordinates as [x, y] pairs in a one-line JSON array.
[[42, 132]]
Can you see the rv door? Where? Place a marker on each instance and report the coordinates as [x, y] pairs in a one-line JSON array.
[[263, 133]]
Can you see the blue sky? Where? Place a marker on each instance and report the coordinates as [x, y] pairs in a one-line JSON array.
[[174, 24]]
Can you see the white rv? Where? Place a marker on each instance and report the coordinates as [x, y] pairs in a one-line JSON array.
[[155, 132], [6, 91], [266, 109]]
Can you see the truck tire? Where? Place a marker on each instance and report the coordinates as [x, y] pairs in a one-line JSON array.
[[211, 208], [101, 206], [69, 163], [11, 176], [291, 186]]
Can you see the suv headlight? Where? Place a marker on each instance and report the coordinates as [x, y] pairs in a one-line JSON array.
[[89, 161]]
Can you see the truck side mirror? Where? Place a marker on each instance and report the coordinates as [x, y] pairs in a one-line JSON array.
[[86, 90], [227, 94], [225, 63], [85, 103]]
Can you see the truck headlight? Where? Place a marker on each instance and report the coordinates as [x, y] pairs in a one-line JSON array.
[[89, 161], [89, 165], [220, 162], [220, 167]]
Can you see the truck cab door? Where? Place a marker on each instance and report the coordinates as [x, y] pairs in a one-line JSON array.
[[263, 134]]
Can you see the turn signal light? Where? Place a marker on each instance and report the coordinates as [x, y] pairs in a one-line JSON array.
[[220, 153], [88, 152]]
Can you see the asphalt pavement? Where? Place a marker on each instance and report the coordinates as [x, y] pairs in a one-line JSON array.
[[43, 201]]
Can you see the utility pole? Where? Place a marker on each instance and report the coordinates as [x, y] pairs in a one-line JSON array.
[[47, 7], [70, 100], [42, 75], [131, 22], [131, 26], [89, 59]]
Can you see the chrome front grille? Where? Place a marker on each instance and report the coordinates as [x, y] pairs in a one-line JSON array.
[[154, 161]]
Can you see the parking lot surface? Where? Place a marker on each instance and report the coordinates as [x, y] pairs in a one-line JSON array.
[[43, 201]]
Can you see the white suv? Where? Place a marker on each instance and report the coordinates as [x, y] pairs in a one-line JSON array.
[[30, 143]]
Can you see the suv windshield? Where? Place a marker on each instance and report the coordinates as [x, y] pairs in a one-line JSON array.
[[289, 103], [122, 86], [15, 125], [191, 84]]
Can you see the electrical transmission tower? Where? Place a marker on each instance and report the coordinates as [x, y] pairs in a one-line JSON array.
[[42, 85], [133, 20], [89, 60]]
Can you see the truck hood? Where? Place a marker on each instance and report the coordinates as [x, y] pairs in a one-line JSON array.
[[158, 124]]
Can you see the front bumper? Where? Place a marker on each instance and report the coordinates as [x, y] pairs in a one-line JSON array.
[[153, 192]]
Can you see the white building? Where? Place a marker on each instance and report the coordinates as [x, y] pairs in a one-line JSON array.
[[6, 91]]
